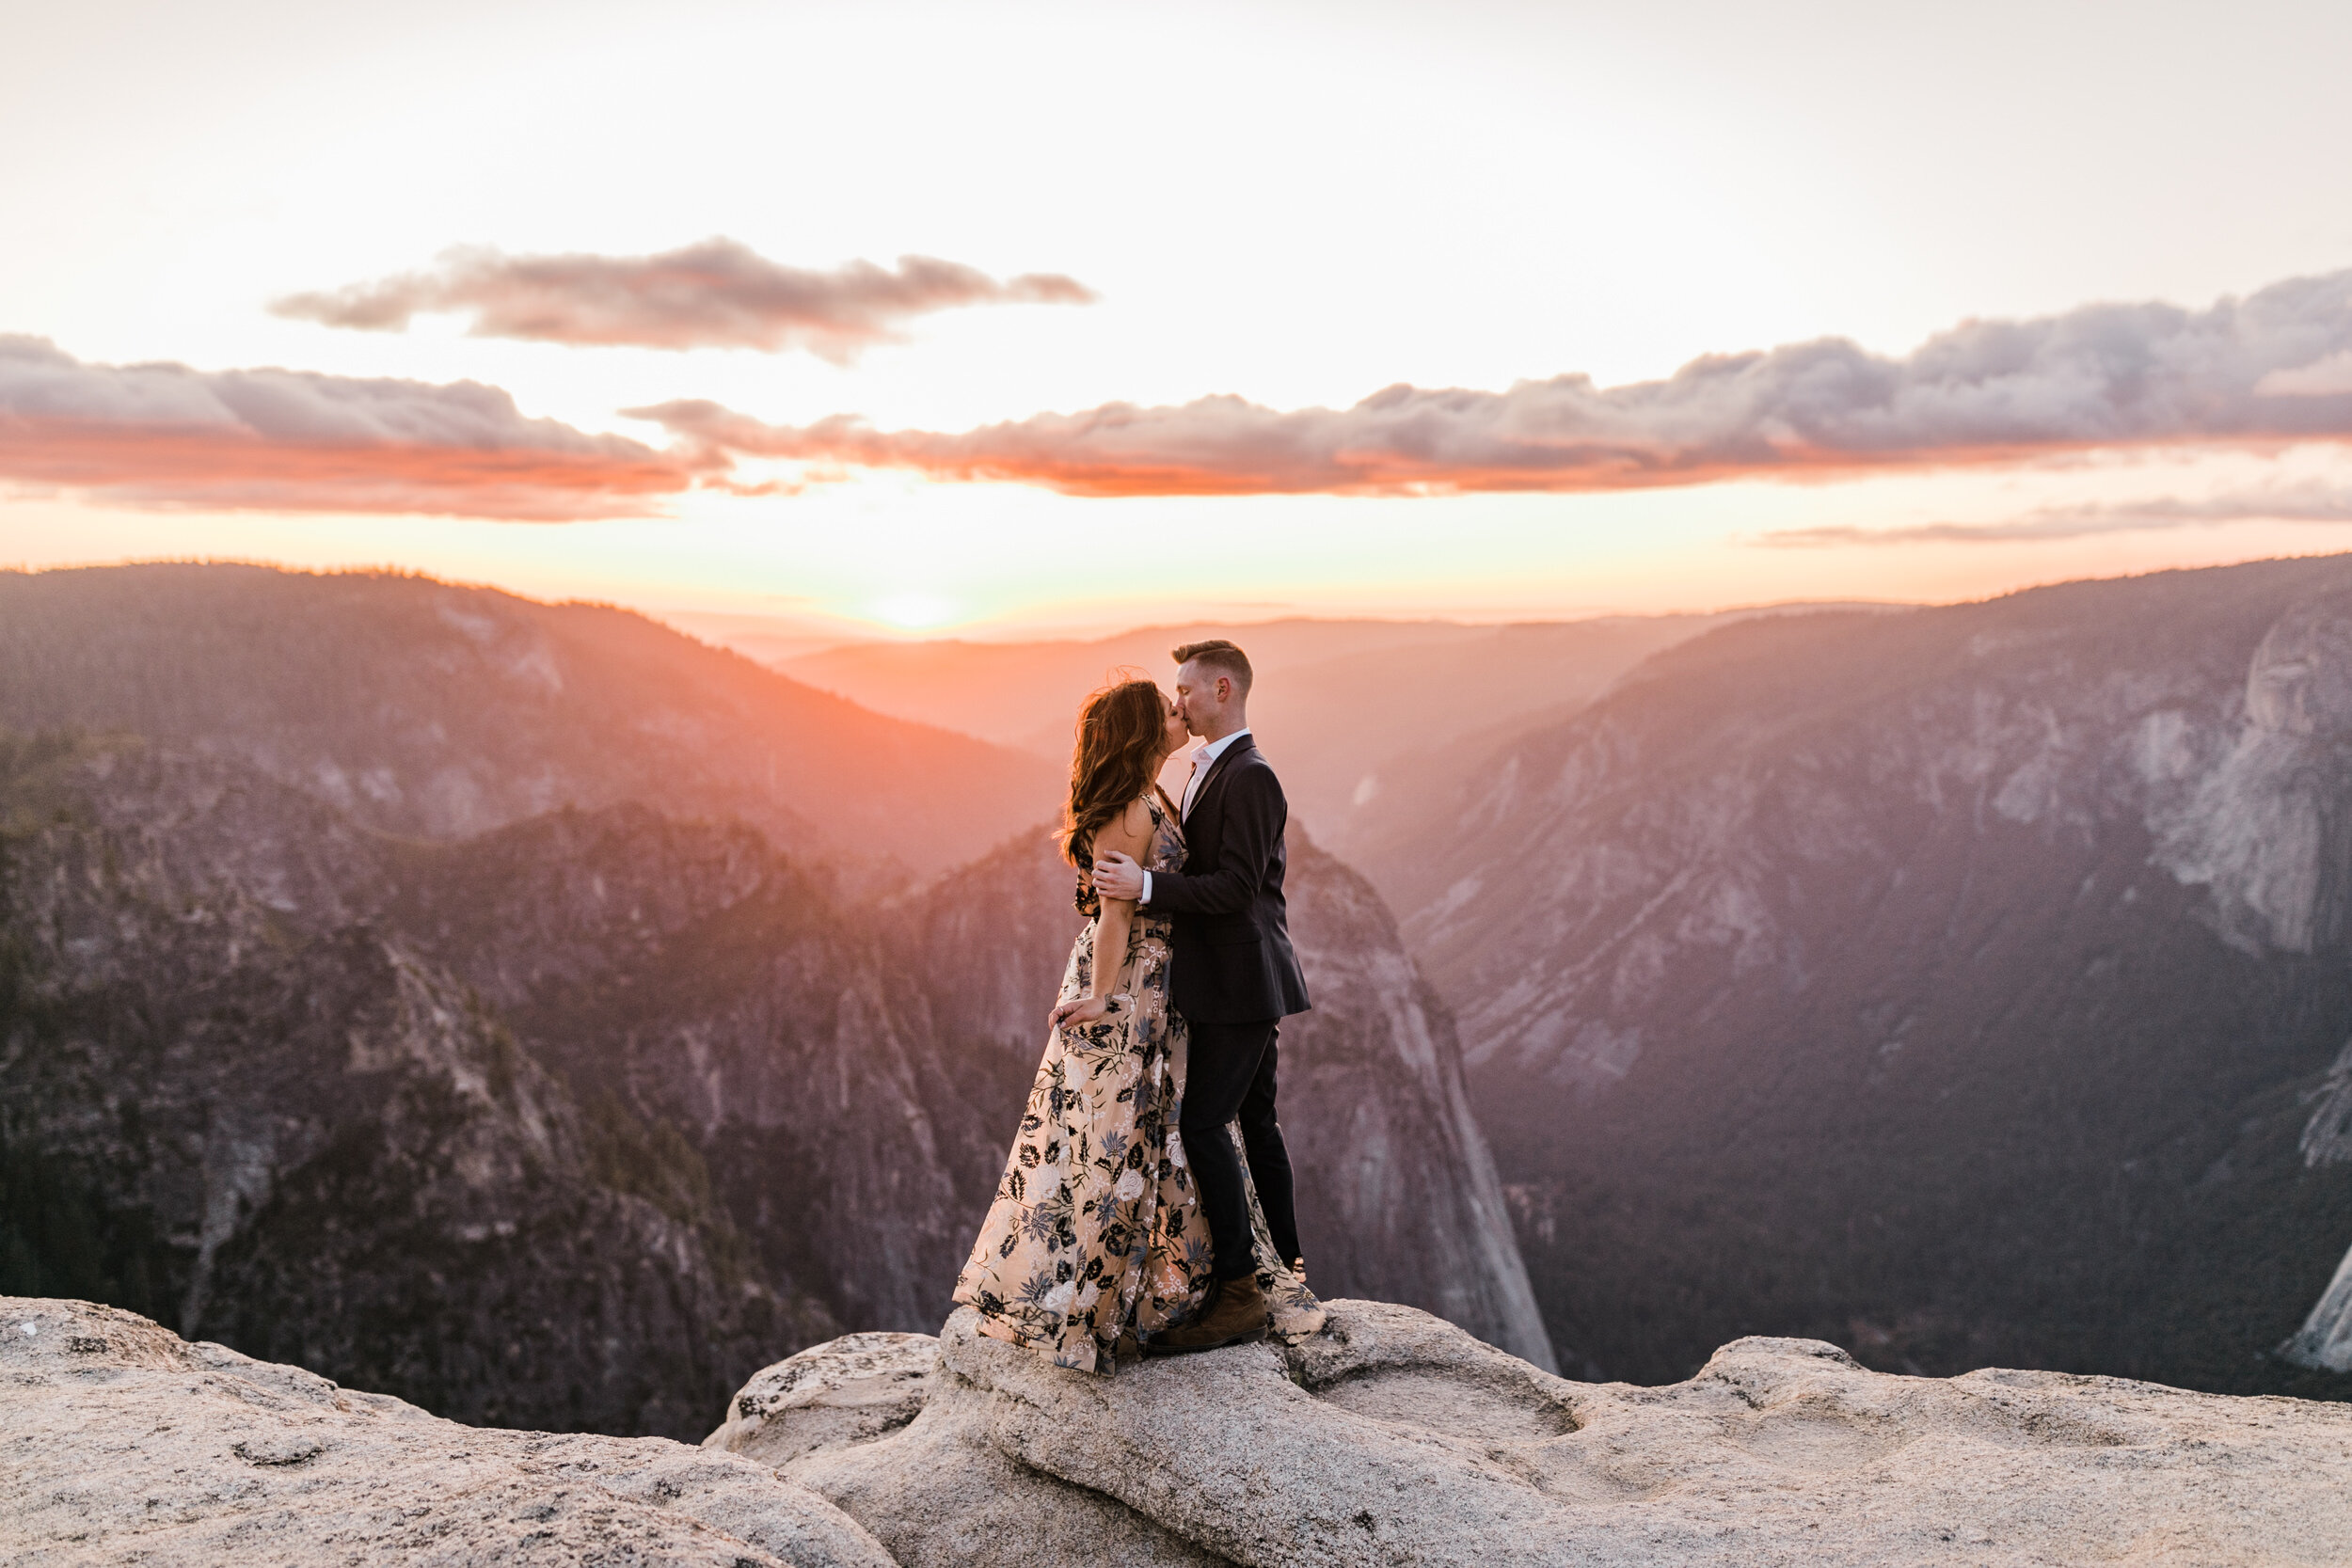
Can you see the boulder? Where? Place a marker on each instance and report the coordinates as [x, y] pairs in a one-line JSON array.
[[849, 1391], [1393, 1438], [949, 1491], [946, 1496], [121, 1442]]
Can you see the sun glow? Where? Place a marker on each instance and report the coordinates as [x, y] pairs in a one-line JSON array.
[[914, 611]]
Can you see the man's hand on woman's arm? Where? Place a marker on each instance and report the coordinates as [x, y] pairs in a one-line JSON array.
[[1116, 875], [1255, 812]]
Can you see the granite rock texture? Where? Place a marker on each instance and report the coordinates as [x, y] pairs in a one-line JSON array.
[[1393, 1438], [119, 1442], [844, 1392]]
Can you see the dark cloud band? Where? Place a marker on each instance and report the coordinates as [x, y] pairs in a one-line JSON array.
[[2273, 369], [718, 293], [292, 442], [2274, 366]]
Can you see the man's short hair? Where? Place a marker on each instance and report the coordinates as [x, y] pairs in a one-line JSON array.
[[1216, 653]]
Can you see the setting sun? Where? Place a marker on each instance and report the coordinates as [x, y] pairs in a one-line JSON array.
[[915, 611]]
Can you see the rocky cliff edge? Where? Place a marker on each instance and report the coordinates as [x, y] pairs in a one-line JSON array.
[[1389, 1438], [120, 1442]]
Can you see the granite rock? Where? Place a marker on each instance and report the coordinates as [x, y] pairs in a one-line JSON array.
[[846, 1392], [1389, 1438], [1394, 1438], [911, 1451], [120, 1442]]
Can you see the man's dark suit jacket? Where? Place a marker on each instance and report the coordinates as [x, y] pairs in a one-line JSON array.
[[1231, 959]]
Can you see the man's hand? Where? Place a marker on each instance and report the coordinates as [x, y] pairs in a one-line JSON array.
[[1116, 876]]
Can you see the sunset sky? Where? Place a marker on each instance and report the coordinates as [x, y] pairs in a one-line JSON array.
[[1008, 317]]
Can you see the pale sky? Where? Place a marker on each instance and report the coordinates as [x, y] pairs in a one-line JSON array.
[[1295, 205]]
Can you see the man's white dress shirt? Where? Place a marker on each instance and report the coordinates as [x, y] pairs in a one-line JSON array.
[[1203, 758]]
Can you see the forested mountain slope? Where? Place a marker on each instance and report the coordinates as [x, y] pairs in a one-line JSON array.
[[233, 1099], [433, 710]]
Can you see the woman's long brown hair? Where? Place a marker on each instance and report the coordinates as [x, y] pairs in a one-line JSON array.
[[1120, 732]]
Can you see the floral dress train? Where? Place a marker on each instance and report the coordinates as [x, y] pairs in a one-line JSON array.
[[1096, 1230]]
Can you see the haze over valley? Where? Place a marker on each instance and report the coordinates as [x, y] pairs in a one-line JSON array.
[[1357, 713]]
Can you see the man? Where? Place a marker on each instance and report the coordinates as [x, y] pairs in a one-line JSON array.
[[1232, 977]]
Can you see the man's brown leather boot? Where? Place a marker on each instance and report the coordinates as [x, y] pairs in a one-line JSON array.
[[1238, 1314]]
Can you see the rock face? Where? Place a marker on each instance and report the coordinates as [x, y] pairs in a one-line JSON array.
[[1964, 984], [436, 711], [238, 1103], [2325, 1340], [694, 974], [846, 1392], [1397, 1195], [124, 1443], [1393, 1438]]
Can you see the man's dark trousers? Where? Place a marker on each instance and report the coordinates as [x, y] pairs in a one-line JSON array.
[[1229, 1073]]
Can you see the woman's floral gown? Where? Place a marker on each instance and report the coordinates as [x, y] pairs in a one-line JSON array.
[[1095, 1229]]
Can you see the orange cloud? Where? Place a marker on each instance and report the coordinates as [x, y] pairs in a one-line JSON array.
[[2268, 368], [292, 442], [717, 294]]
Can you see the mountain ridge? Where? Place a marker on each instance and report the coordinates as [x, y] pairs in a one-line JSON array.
[[439, 711]]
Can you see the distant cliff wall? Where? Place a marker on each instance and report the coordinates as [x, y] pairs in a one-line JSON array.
[[1956, 984]]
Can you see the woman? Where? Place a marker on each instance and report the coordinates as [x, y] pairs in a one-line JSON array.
[[1095, 1233]]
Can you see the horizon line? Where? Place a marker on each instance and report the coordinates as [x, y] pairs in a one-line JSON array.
[[817, 628]]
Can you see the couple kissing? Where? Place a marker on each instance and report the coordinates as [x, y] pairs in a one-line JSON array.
[[1138, 1214]]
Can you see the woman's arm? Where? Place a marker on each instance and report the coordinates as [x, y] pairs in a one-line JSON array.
[[1130, 835]]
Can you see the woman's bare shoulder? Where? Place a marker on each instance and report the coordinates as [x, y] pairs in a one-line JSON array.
[[1129, 833]]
